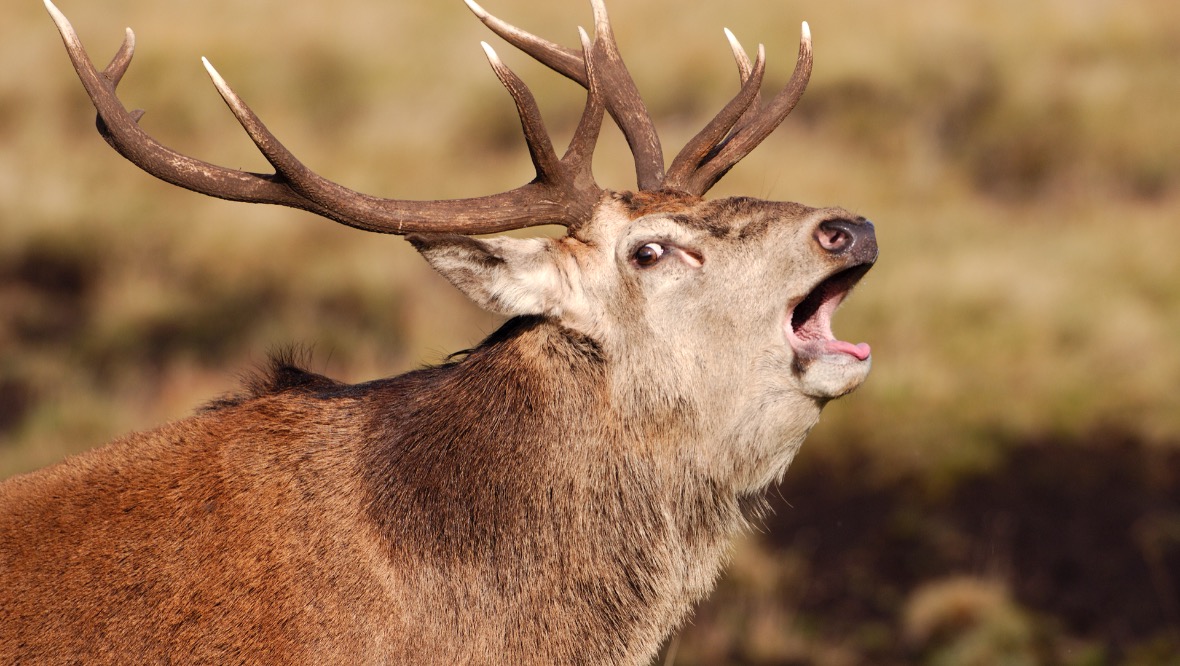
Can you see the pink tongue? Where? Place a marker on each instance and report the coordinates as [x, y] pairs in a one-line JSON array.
[[860, 351]]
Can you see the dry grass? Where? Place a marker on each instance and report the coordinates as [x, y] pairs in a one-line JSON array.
[[1019, 160]]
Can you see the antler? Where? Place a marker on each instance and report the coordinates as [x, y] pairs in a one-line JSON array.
[[736, 130], [621, 97], [752, 126], [563, 191]]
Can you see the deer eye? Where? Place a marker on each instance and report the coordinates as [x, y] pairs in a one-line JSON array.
[[648, 255]]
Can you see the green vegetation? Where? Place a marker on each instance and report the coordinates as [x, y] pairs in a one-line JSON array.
[[1021, 162]]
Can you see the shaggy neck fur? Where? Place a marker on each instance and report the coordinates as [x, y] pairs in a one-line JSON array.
[[509, 478]]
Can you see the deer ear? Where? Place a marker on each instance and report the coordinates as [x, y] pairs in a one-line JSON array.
[[509, 276]]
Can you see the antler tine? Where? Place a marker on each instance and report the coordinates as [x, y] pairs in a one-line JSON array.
[[626, 105], [120, 129], [744, 69], [554, 197], [580, 152], [118, 66], [739, 54], [752, 130], [702, 146], [540, 145], [567, 62], [619, 93], [114, 73]]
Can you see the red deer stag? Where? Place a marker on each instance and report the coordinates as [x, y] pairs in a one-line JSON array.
[[563, 494]]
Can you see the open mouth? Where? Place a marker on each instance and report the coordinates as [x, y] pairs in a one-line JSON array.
[[809, 328]]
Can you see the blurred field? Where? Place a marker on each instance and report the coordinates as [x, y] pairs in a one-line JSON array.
[[1004, 490]]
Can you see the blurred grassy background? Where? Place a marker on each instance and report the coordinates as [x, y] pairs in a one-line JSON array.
[[1004, 489]]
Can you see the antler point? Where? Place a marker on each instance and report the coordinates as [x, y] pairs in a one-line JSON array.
[[493, 57], [476, 9], [218, 81], [63, 23], [734, 44]]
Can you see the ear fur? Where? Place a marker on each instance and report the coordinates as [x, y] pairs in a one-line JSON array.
[[509, 276]]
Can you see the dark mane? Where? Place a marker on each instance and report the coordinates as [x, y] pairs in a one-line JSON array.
[[281, 373], [285, 371]]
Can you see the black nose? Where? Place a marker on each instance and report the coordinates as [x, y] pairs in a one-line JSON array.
[[856, 239]]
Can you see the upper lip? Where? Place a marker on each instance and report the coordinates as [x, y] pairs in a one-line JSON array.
[[808, 325]]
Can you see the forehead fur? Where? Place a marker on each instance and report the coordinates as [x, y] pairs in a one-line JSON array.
[[638, 204], [746, 217], [741, 217]]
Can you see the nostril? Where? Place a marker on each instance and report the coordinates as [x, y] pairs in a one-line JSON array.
[[833, 239], [834, 235]]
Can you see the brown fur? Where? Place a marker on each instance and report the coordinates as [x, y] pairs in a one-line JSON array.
[[236, 535], [643, 203]]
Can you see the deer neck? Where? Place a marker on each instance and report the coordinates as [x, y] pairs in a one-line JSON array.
[[484, 467]]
